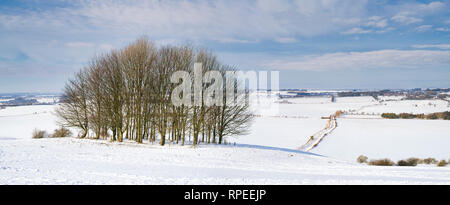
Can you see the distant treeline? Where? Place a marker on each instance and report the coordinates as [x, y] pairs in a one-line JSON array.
[[413, 94], [374, 94], [19, 101], [431, 116]]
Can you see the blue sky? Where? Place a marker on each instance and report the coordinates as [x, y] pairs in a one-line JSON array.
[[323, 44]]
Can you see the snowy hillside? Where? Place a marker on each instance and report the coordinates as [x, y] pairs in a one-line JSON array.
[[409, 106], [268, 155], [381, 138], [76, 161]]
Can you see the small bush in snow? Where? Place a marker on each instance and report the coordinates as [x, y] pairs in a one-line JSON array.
[[62, 132], [408, 162], [419, 161], [338, 113], [362, 159], [430, 161], [432, 116], [390, 116], [442, 163], [407, 116], [414, 161], [382, 162], [446, 116], [37, 134]]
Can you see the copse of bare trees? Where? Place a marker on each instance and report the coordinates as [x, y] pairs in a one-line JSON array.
[[126, 94]]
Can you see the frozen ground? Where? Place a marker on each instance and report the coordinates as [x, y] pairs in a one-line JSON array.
[[383, 138], [408, 106], [316, 107], [266, 156], [266, 131], [19, 122], [76, 161]]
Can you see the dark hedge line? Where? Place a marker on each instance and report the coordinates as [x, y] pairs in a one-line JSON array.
[[431, 116]]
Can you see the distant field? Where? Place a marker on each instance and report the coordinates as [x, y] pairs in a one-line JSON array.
[[357, 134], [267, 131], [409, 106], [380, 138], [267, 155], [19, 122]]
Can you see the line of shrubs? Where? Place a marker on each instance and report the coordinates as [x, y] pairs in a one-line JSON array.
[[58, 133], [413, 161], [432, 116]]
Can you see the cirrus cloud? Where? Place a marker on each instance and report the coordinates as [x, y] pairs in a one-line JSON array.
[[408, 59], [439, 46], [423, 28], [79, 45]]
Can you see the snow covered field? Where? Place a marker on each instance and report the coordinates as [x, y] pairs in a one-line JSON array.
[[266, 131], [47, 99], [316, 107], [39, 99], [76, 161], [267, 155], [408, 106], [383, 138], [19, 122]]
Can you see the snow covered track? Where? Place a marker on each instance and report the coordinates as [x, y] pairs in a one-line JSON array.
[[317, 137]]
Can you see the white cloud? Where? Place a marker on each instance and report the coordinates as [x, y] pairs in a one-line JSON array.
[[432, 6], [93, 26], [439, 46], [273, 6], [405, 18], [423, 28], [411, 12], [443, 29], [67, 36], [391, 59], [356, 31], [286, 40], [235, 40], [193, 19], [377, 21], [347, 21], [79, 45], [385, 30], [106, 47], [373, 24], [224, 21]]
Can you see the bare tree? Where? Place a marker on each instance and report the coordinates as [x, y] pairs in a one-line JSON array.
[[73, 111], [234, 117], [126, 94]]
